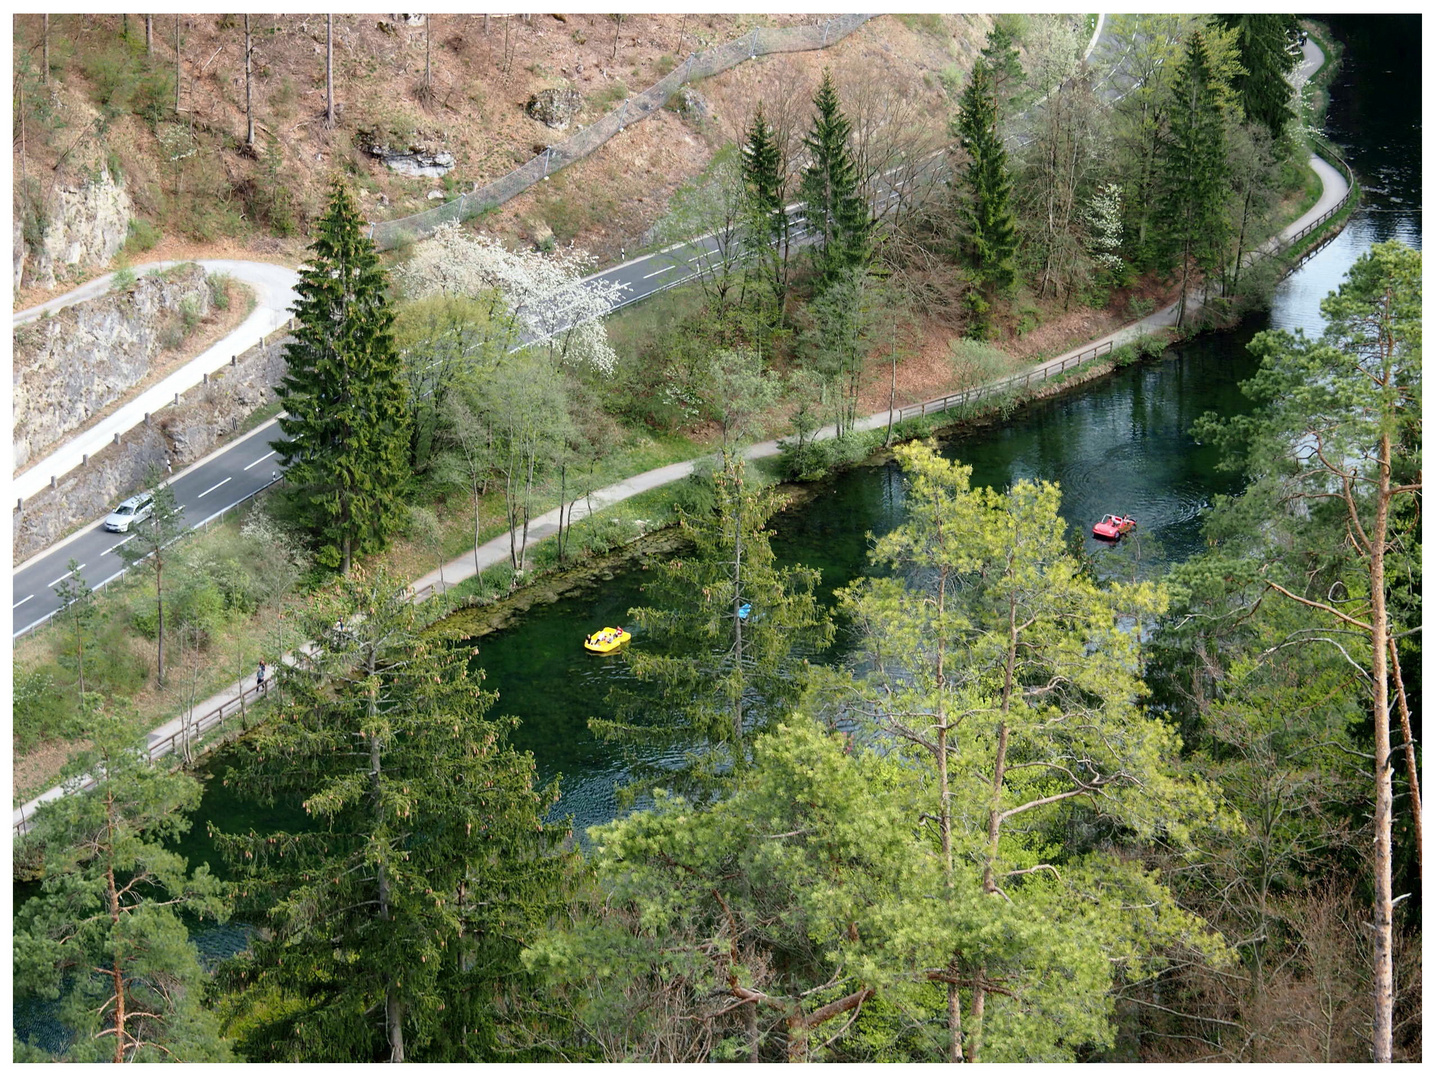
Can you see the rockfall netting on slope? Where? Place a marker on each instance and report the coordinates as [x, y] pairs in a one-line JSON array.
[[701, 65]]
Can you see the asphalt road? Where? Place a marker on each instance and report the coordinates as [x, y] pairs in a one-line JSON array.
[[214, 484], [238, 470]]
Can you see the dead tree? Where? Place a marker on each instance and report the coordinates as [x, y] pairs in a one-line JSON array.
[[330, 70], [249, 109]]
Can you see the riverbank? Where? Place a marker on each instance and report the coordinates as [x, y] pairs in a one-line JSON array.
[[451, 578]]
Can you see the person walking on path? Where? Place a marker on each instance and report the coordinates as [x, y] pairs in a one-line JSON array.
[[260, 678]]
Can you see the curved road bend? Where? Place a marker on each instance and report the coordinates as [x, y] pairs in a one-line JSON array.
[[274, 295]]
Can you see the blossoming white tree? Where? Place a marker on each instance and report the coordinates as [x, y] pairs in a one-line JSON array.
[[548, 292]]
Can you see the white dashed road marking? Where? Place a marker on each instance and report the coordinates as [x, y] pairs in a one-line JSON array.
[[19, 602], [207, 491], [59, 579], [257, 461]]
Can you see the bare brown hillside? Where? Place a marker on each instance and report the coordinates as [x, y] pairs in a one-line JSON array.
[[222, 199]]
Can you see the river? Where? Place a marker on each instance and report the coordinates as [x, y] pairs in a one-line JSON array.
[[1121, 444]]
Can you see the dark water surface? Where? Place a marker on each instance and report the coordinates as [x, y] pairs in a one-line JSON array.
[[1120, 445]]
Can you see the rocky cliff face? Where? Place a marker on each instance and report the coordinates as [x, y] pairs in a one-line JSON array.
[[72, 365], [207, 416], [85, 225]]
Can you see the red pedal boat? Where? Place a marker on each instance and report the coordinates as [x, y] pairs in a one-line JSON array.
[[1111, 527]]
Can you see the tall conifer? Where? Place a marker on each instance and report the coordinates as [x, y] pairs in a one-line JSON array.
[[762, 169], [345, 419], [1190, 213], [830, 186], [398, 911], [1264, 43], [987, 219]]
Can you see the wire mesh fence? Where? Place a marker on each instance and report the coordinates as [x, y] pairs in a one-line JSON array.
[[761, 41]]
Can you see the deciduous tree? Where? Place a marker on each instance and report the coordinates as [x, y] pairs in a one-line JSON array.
[[77, 611]]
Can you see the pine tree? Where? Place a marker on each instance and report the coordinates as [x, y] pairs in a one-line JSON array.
[[1010, 676], [987, 218], [719, 642], [107, 934], [769, 225], [398, 913], [1266, 58], [1190, 213], [830, 186], [346, 416], [1334, 453]]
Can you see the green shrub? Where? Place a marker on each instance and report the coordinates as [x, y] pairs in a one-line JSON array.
[[976, 362], [189, 315], [196, 602], [219, 291], [140, 236], [172, 333], [819, 457], [123, 278], [42, 707], [1140, 306], [597, 535]]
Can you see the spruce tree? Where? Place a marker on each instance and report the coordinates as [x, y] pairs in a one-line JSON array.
[[346, 417], [830, 186], [768, 224], [988, 237], [398, 912], [1190, 213], [1264, 85]]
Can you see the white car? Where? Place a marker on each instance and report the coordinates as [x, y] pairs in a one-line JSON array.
[[136, 508]]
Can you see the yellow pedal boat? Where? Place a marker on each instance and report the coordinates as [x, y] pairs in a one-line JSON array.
[[607, 640]]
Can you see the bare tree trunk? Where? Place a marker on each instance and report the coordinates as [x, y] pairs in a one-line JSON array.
[[428, 19], [117, 972], [1384, 772], [45, 52], [160, 624], [330, 70], [177, 65], [149, 49], [249, 109], [1412, 773], [615, 47]]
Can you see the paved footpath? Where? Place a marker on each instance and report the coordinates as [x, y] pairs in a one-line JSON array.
[[496, 551]]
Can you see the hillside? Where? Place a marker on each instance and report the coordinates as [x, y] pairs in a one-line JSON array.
[[190, 176]]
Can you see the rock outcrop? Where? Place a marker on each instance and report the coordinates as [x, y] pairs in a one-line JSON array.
[[70, 366], [555, 108], [85, 225]]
